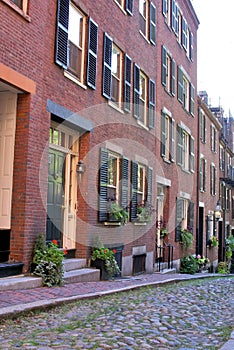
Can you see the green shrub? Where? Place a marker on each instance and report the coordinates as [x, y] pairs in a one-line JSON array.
[[189, 264], [223, 267]]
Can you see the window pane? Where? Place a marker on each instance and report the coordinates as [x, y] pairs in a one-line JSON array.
[[75, 26], [19, 3]]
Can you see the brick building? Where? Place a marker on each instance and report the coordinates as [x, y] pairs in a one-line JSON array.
[[98, 107]]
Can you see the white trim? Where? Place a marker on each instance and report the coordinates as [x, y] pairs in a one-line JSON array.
[[167, 112], [163, 181], [202, 204], [114, 148], [185, 195]]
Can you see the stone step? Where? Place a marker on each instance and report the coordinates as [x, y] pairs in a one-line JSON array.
[[74, 264], [20, 282], [82, 275], [10, 269]]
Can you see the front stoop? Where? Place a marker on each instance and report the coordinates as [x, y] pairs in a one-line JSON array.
[[20, 282], [10, 269], [164, 268], [75, 271]]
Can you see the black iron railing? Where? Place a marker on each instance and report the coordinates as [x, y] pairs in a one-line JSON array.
[[164, 254]]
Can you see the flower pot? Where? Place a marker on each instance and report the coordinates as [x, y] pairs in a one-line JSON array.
[[100, 264]]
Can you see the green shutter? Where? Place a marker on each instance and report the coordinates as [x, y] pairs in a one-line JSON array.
[[61, 42], [149, 185], [103, 181], [163, 135], [151, 103], [191, 54], [173, 77], [184, 33], [191, 154], [180, 85], [179, 213], [127, 83], [174, 23], [136, 91], [172, 140], [152, 23], [92, 54], [179, 146], [107, 55], [192, 97], [124, 183], [134, 176], [164, 66], [204, 176]]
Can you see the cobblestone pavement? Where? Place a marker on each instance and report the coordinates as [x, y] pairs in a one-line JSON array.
[[196, 314]]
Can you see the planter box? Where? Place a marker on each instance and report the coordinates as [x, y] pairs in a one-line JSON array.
[[100, 264]]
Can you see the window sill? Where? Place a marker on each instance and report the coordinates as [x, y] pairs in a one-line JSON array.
[[166, 160], [113, 105], [109, 223], [121, 8], [146, 39], [74, 79], [140, 223], [18, 10], [142, 125]]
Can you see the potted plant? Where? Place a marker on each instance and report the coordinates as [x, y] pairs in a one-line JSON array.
[[48, 262], [163, 232], [144, 213], [117, 214], [213, 241], [186, 238], [104, 259]]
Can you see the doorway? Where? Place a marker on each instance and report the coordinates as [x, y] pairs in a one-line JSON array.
[[200, 233]]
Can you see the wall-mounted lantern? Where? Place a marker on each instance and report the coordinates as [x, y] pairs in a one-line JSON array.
[[80, 167]]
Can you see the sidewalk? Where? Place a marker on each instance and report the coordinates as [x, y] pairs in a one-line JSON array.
[[14, 302]]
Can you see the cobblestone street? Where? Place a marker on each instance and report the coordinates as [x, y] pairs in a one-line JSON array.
[[187, 315]]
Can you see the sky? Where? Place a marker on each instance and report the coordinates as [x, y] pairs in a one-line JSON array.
[[216, 51]]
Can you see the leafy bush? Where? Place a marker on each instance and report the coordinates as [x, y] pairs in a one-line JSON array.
[[189, 264], [229, 246], [186, 238], [49, 262], [223, 267]]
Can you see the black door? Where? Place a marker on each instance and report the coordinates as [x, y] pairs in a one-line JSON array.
[[199, 247], [55, 196]]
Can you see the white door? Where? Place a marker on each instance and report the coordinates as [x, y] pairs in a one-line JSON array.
[[7, 143]]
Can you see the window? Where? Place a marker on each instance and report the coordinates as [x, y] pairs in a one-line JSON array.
[[184, 216], [127, 5], [213, 139], [167, 137], [213, 177], [144, 98], [147, 13], [71, 38], [115, 87], [221, 158], [203, 171], [228, 198], [202, 126], [141, 187], [18, 3], [186, 91], [116, 70], [166, 9], [168, 71], [185, 149], [113, 182]]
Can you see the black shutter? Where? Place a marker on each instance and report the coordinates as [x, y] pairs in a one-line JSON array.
[[103, 180], [191, 154], [151, 103], [149, 185], [129, 6], [152, 23], [164, 66], [134, 175], [172, 140], [192, 98], [180, 85], [191, 46], [92, 54], [127, 82], [179, 213], [136, 91], [163, 135], [190, 216], [164, 7], [124, 183], [107, 54], [173, 77], [179, 146], [61, 48]]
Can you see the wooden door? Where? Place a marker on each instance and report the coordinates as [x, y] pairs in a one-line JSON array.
[[7, 143], [55, 197]]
